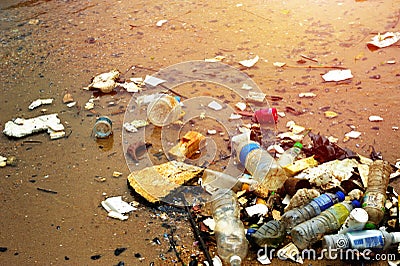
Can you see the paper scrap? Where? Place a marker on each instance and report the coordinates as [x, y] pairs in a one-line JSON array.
[[39, 102], [153, 81], [385, 40], [337, 75], [250, 62]]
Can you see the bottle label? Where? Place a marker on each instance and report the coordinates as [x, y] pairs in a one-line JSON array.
[[366, 239], [340, 212], [324, 202], [374, 200]]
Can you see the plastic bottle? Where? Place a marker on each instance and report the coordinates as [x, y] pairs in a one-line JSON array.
[[267, 173], [290, 155], [375, 195], [371, 239], [232, 244], [270, 234], [164, 110], [267, 118], [309, 232], [315, 207], [103, 127]]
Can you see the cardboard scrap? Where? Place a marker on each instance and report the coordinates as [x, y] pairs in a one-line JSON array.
[[157, 182]]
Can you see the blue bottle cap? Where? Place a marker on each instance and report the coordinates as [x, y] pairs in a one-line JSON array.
[[178, 98], [340, 195], [250, 231], [356, 203], [246, 150]]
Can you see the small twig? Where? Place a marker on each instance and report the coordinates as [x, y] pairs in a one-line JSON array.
[[309, 58], [173, 245], [337, 67], [47, 190]]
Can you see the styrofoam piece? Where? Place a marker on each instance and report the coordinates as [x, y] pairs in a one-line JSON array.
[[153, 81], [40, 102], [21, 127], [117, 204], [257, 209]]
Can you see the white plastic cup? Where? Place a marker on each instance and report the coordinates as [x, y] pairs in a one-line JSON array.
[[356, 221], [164, 110]]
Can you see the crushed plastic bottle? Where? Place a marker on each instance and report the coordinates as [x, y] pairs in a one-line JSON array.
[[267, 118], [290, 155], [267, 173], [375, 196], [330, 220], [232, 244], [270, 234], [364, 239], [298, 215]]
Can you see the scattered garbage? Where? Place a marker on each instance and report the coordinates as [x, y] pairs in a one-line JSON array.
[[21, 127], [153, 81], [40, 102], [215, 106], [161, 22], [384, 40], [116, 207], [188, 145], [250, 62], [105, 82], [164, 110], [103, 127], [337, 75], [135, 125]]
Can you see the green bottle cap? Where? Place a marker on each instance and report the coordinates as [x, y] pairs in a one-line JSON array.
[[370, 226], [298, 145]]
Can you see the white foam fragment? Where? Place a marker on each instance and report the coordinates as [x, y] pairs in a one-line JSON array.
[[21, 127], [40, 102]]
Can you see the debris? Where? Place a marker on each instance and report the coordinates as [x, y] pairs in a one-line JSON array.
[[130, 86], [215, 106], [161, 22], [337, 75], [89, 105], [300, 165], [246, 87], [218, 58], [187, 146], [3, 161], [103, 127], [257, 209], [117, 174], [302, 197], [67, 98], [385, 40], [134, 125], [249, 63], [307, 95], [116, 207], [241, 106], [375, 118], [279, 64], [157, 182], [47, 190], [330, 114], [105, 82], [296, 129], [256, 96], [153, 81], [290, 251], [211, 132], [234, 116], [353, 134], [133, 149], [72, 104], [40, 102], [21, 127]]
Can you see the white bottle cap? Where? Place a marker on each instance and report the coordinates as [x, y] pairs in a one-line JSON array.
[[235, 259], [396, 237]]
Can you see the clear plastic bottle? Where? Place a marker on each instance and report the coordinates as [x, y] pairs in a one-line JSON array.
[[375, 196], [267, 173], [164, 110], [298, 215], [330, 220], [270, 234], [371, 239], [232, 244], [290, 155]]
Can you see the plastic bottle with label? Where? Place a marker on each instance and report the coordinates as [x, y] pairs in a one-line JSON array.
[[270, 234], [330, 220], [232, 244], [364, 239], [298, 215], [164, 110], [267, 173], [290, 155], [375, 196]]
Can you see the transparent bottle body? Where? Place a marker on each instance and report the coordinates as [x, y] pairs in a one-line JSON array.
[[296, 216], [289, 156], [375, 196], [164, 110], [309, 232], [229, 229]]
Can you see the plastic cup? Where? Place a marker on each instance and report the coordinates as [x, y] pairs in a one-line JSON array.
[[164, 110], [356, 221]]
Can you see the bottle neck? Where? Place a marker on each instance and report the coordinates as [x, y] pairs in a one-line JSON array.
[[235, 260]]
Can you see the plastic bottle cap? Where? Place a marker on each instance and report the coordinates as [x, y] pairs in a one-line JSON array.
[[246, 150], [396, 237], [340, 195], [356, 203], [178, 98], [369, 226], [235, 258], [298, 145]]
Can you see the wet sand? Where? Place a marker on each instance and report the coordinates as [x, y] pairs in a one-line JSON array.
[[49, 48]]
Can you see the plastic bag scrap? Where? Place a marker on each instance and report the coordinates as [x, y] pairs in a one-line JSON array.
[[116, 207], [385, 40]]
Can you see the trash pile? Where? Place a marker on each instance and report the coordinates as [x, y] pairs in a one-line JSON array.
[[298, 193]]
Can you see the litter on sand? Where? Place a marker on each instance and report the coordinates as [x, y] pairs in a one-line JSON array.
[[250, 62], [40, 102], [116, 207], [337, 75], [385, 40], [21, 127]]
